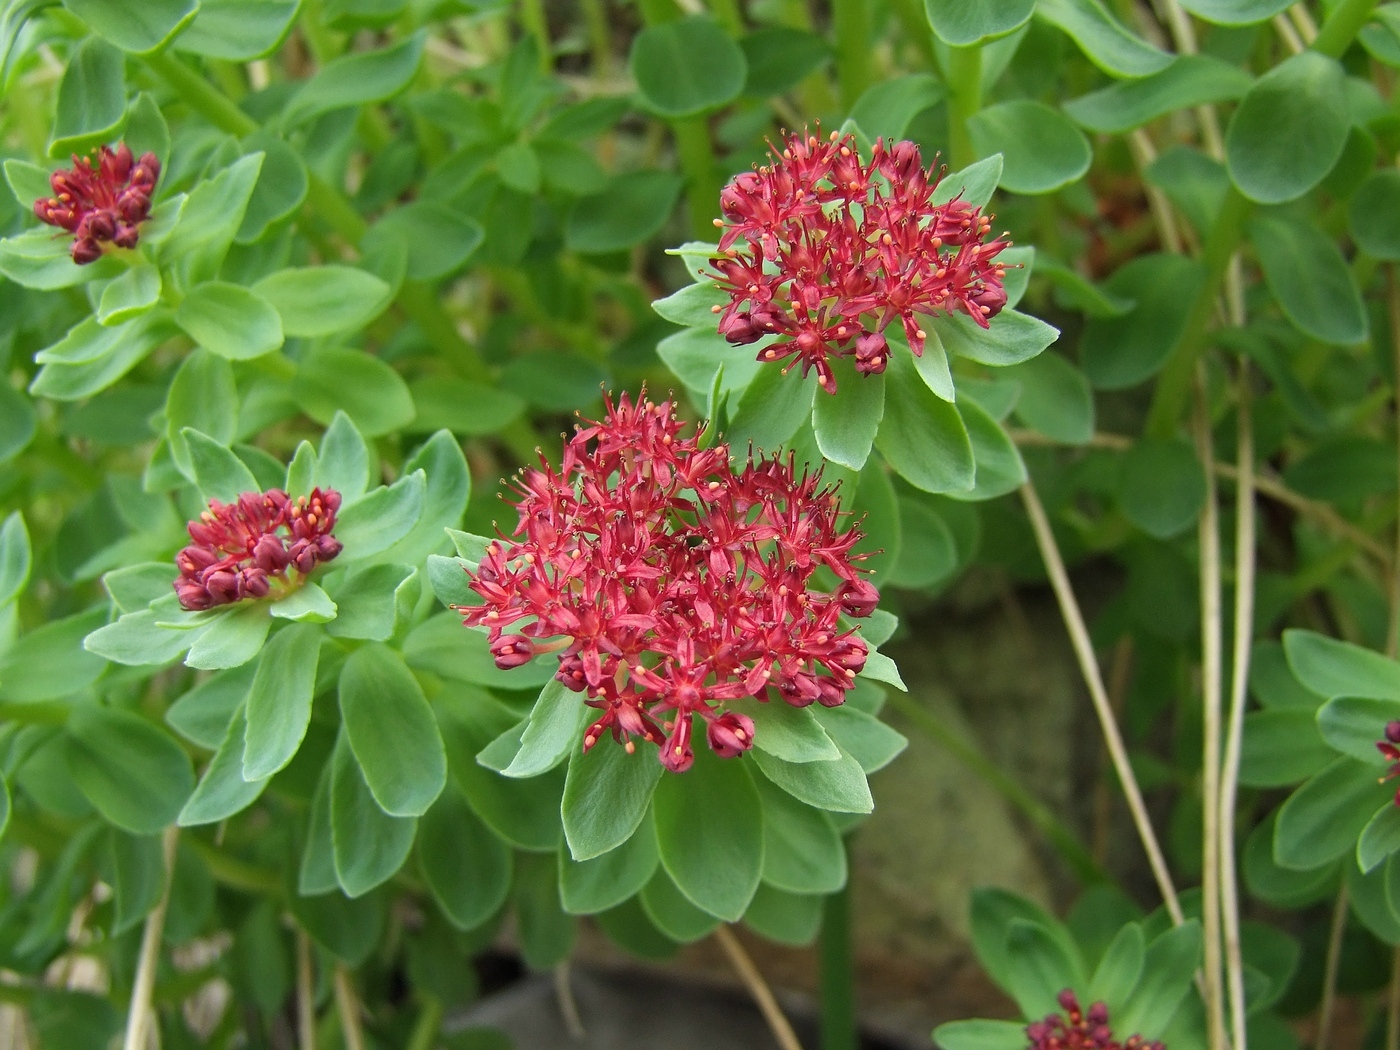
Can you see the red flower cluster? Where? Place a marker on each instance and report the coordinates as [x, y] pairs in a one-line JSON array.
[[676, 584], [1390, 748], [1080, 1031], [102, 201], [835, 250], [237, 547]]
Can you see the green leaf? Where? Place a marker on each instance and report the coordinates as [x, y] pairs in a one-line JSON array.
[[771, 410], [1281, 747], [138, 877], [999, 466], [444, 647], [709, 828], [692, 305], [674, 915], [439, 239], [146, 130], [886, 109], [38, 259], [467, 868], [136, 640], [838, 786], [229, 320], [864, 737], [1038, 967], [470, 409], [28, 182], [204, 229], [449, 484], [686, 67], [392, 731], [91, 99], [50, 662], [1322, 819], [1235, 12], [223, 791], [139, 28], [1289, 130], [239, 30], [203, 714], [546, 932], [605, 881], [1161, 486], [928, 551], [357, 79], [136, 776], [846, 423], [279, 700], [1119, 352], [373, 395], [802, 850], [793, 919], [130, 295], [15, 557], [1283, 887], [980, 1035], [1103, 39], [606, 795], [783, 731], [961, 24], [368, 845], [1013, 337], [1055, 400], [1379, 839], [203, 396], [232, 638], [974, 183], [1310, 279], [632, 208], [349, 929], [323, 300], [551, 734], [307, 604], [1190, 80], [1120, 968], [18, 423], [779, 57], [132, 342], [216, 470], [281, 187], [1041, 147], [1332, 668], [1354, 725], [1373, 215], [1167, 972], [922, 436], [386, 515]]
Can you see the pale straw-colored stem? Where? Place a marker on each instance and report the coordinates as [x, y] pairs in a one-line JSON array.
[[347, 1003], [1208, 533], [1245, 550], [1144, 153], [1288, 34], [758, 988], [1329, 975], [568, 1005], [1093, 678], [140, 1017], [1307, 28], [306, 993]]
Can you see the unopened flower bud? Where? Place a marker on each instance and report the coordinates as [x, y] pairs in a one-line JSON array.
[[730, 734], [512, 650]]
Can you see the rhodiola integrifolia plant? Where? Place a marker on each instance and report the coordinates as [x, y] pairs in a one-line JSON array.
[[287, 287]]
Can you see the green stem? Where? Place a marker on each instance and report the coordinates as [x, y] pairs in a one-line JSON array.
[[1065, 842], [727, 14], [702, 178], [195, 91], [850, 22], [838, 970], [425, 1030], [1174, 386], [964, 79], [535, 22], [49, 713], [1342, 25]]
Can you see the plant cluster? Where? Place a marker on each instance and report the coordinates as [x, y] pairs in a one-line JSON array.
[[320, 272]]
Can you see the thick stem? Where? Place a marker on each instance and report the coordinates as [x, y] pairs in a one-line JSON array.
[[535, 22], [850, 23], [140, 1017], [1245, 551], [1059, 835], [1342, 25], [964, 79], [306, 993], [1208, 533], [347, 1005], [758, 988], [1093, 678], [428, 1025], [838, 971], [702, 179], [1329, 975]]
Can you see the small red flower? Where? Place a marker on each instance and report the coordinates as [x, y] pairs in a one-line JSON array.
[[671, 586], [826, 252], [1390, 748], [239, 550], [1080, 1031], [102, 200]]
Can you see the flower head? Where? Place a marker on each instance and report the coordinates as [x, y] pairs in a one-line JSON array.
[[671, 586], [1080, 1031], [101, 200], [241, 549], [1390, 748], [826, 252]]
